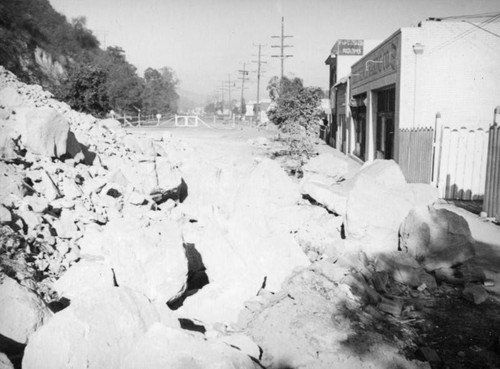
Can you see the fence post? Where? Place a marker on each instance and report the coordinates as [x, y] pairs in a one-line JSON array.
[[491, 204], [437, 150]]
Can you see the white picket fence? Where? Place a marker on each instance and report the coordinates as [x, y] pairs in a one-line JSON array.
[[460, 163]]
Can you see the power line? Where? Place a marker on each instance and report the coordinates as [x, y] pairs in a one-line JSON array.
[[464, 34], [481, 15], [484, 29], [282, 46]]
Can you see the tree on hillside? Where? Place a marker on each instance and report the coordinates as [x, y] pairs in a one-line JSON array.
[[86, 91], [159, 95], [124, 87]]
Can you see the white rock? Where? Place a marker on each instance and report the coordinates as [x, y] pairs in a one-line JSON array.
[[21, 311], [45, 131], [8, 134], [386, 172], [267, 184], [437, 238], [11, 183], [328, 165], [148, 258], [82, 278], [5, 362], [65, 226], [374, 214], [69, 189], [163, 347], [36, 204], [136, 198], [423, 194], [334, 198], [244, 343], [10, 97], [48, 186], [113, 318], [5, 215]]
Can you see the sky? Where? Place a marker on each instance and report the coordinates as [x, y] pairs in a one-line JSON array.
[[206, 42]]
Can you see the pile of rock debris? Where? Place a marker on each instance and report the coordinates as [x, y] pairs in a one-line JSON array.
[[124, 250]]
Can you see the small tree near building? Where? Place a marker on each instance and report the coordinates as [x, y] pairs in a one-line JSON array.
[[296, 110]]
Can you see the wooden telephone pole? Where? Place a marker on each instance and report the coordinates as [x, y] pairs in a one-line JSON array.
[[243, 78], [282, 47], [259, 63]]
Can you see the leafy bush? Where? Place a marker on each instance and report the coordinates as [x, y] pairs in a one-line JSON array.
[[296, 110]]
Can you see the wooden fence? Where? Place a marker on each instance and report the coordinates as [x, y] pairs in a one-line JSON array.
[[415, 153], [460, 163], [491, 204]]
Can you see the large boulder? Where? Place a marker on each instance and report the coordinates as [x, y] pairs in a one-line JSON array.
[[163, 347], [22, 312], [374, 214], [327, 165], [149, 258], [95, 332], [332, 197], [385, 172], [437, 238], [44, 131], [240, 258], [82, 278], [267, 184]]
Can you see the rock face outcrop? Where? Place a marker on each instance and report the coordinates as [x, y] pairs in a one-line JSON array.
[[437, 238]]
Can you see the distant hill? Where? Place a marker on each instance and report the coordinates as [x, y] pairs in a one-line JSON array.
[[38, 44]]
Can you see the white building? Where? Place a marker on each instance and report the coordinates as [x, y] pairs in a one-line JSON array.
[[451, 68], [343, 55]]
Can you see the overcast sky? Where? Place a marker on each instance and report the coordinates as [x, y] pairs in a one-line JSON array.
[[204, 41]]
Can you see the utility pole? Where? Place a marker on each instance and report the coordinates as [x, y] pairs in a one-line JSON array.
[[259, 63], [229, 85], [243, 78], [222, 96], [282, 47]]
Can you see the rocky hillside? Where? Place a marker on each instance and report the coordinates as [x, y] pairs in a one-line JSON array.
[[38, 44], [132, 250]]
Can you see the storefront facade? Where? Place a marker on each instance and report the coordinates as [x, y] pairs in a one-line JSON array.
[[426, 97], [343, 54], [375, 80]]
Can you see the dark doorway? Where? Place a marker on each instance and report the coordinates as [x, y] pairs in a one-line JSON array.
[[386, 104], [358, 109]]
